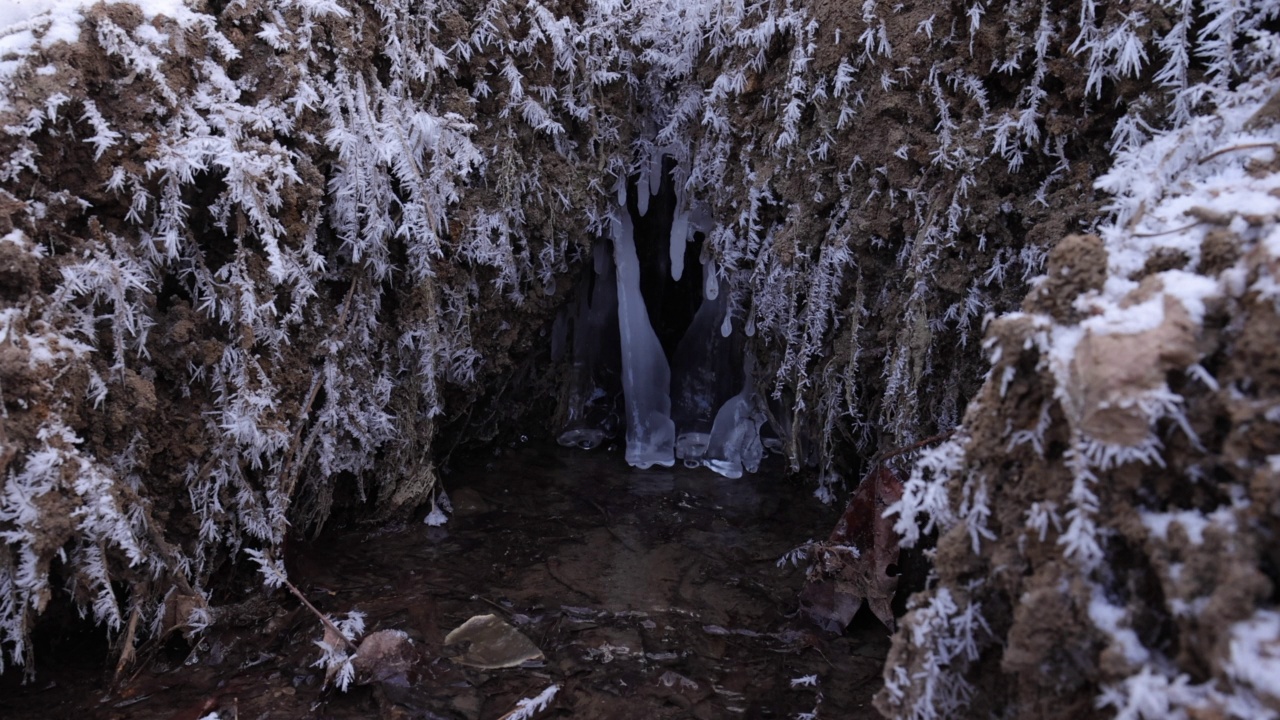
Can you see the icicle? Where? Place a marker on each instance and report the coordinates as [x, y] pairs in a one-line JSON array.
[[710, 283], [646, 378], [622, 192], [642, 197], [655, 171], [704, 376], [679, 236]]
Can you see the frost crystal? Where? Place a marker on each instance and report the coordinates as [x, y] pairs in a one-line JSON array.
[[1097, 413]]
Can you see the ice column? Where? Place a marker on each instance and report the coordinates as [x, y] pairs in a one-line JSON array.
[[646, 379], [590, 404], [651, 175], [679, 237]]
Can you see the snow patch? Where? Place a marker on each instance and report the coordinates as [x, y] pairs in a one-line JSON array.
[[1193, 522], [1255, 653]]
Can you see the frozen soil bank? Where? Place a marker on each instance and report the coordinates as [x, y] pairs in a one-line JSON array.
[[1108, 512], [265, 259]]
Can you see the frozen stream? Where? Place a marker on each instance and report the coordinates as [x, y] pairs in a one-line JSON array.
[[652, 594]]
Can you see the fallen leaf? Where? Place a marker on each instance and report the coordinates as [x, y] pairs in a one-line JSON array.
[[489, 643], [178, 608], [852, 566], [384, 656]]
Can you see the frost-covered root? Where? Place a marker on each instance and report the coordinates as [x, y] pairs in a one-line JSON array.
[[1112, 503]]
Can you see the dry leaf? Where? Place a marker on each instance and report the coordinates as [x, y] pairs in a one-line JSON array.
[[384, 656], [852, 566], [491, 643]]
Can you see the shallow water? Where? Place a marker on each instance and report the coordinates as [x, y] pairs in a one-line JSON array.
[[652, 594]]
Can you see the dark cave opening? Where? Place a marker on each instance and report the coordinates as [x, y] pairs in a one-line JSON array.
[[648, 346], [671, 303]]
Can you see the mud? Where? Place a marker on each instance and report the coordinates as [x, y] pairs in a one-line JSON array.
[[653, 594]]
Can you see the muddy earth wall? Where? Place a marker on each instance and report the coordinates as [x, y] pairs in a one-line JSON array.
[[261, 259]]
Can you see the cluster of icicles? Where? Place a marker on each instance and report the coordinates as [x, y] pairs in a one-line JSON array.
[[701, 408]]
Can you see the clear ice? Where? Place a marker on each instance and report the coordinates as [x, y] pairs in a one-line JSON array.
[[595, 308], [735, 436], [704, 395], [702, 378], [646, 378]]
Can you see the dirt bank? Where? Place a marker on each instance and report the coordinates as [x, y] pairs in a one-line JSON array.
[[1108, 513]]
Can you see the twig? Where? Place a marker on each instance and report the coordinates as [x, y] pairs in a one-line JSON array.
[[1234, 148], [527, 708], [324, 620], [555, 575], [608, 524], [127, 651], [1170, 232], [881, 457], [287, 473], [493, 604]]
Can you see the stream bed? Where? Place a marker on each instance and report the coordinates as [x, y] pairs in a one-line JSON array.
[[651, 594]]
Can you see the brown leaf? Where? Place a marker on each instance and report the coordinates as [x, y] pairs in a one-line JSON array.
[[852, 566], [384, 656], [177, 610], [489, 643]]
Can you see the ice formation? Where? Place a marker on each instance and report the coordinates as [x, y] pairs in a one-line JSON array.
[[734, 445], [679, 238], [707, 418], [702, 378], [589, 396], [694, 409], [646, 378]]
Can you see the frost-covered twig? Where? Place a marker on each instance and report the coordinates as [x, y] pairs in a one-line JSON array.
[[528, 708], [273, 575]]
